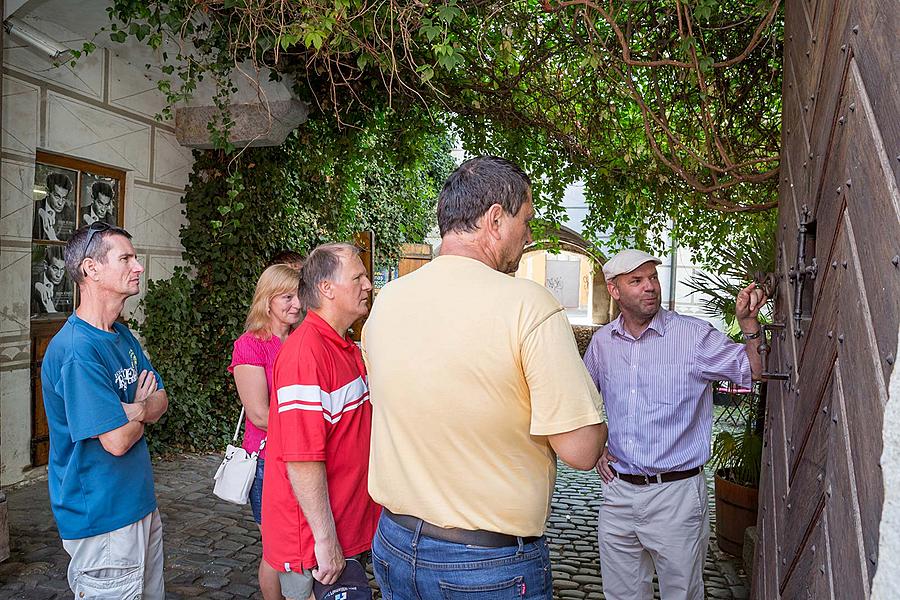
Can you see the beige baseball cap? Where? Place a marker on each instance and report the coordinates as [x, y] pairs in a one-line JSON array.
[[627, 261]]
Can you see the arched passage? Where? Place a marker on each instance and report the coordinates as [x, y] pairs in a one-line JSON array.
[[600, 307]]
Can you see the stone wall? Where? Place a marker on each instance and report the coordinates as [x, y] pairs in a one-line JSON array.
[[102, 110]]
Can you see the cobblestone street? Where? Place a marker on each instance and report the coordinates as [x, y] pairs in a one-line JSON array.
[[212, 547]]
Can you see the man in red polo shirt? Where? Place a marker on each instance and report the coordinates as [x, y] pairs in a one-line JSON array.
[[316, 508]]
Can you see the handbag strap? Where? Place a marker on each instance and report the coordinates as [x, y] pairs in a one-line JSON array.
[[237, 429]]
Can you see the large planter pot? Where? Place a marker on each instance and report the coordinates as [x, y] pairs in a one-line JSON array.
[[735, 511]]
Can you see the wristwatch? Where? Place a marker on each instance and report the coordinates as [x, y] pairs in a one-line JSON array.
[[750, 336]]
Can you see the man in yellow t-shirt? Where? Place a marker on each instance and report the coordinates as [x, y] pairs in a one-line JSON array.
[[476, 387]]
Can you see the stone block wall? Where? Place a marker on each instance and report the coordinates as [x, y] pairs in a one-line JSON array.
[[102, 110]]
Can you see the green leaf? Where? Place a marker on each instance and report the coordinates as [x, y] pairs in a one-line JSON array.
[[314, 39], [686, 43], [431, 30], [448, 13], [288, 39], [425, 73]]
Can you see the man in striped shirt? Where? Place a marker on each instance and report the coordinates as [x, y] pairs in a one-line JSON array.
[[654, 369], [315, 510]]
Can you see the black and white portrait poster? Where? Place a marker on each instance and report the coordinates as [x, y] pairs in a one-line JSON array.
[[99, 200], [54, 203], [51, 288]]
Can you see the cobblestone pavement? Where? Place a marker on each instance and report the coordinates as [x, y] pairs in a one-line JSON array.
[[212, 547]]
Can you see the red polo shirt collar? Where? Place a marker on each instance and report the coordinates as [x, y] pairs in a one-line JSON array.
[[328, 331]]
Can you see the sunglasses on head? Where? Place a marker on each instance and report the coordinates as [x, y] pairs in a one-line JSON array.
[[95, 228]]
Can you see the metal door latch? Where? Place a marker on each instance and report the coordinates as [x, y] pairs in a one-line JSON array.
[[765, 348], [801, 272]]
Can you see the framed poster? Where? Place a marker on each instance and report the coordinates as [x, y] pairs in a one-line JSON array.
[[68, 194], [51, 289], [99, 200], [55, 195]]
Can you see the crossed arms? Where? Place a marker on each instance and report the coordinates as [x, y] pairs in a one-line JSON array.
[[148, 406]]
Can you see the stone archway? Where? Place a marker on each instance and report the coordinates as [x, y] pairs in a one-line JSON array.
[[602, 308]]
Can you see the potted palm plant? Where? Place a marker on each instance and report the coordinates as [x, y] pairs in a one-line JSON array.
[[737, 451], [736, 457]]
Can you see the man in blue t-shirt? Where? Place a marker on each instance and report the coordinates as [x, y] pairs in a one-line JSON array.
[[100, 391]]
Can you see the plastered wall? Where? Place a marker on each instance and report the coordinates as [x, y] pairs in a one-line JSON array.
[[102, 110], [886, 584]]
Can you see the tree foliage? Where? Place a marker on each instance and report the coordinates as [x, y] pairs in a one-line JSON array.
[[323, 184], [669, 110]]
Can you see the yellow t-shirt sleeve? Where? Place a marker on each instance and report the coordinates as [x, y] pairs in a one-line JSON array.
[[563, 397]]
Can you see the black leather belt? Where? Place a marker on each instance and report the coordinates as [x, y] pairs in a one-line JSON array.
[[658, 478], [469, 537]]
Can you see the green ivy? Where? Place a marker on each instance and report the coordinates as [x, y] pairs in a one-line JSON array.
[[323, 184]]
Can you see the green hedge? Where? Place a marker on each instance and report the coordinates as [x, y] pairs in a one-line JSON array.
[[323, 184]]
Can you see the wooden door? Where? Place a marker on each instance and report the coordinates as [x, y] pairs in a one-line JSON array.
[[41, 334], [838, 296], [415, 256]]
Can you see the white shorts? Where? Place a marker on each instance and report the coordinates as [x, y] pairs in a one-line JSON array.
[[123, 564]]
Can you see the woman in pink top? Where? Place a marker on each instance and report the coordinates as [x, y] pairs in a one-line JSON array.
[[273, 313]]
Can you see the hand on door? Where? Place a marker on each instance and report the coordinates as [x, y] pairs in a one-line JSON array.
[[749, 301]]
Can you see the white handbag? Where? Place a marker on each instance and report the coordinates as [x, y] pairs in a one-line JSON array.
[[237, 471]]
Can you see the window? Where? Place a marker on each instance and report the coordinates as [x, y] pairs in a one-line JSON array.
[[68, 194]]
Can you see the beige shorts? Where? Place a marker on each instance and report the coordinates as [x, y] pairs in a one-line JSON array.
[[126, 563], [296, 585]]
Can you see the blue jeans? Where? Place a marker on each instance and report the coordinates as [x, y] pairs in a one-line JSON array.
[[256, 491], [409, 566]]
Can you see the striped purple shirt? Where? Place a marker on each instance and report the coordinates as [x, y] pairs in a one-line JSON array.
[[656, 389]]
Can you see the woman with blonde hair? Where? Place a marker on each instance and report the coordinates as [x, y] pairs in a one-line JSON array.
[[273, 314]]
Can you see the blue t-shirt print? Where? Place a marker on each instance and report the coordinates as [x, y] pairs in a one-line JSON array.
[[86, 374]]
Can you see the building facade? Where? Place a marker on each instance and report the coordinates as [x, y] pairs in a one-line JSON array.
[[99, 113], [80, 142]]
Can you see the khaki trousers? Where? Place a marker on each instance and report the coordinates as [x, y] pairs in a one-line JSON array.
[[661, 525]]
